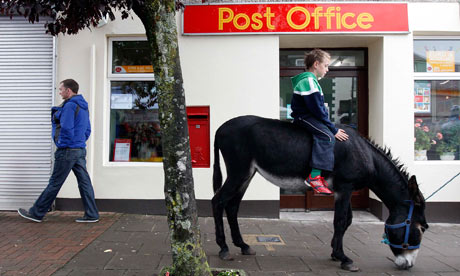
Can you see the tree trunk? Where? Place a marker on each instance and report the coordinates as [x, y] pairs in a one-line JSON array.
[[189, 257]]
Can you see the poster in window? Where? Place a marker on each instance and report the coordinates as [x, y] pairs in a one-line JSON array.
[[122, 150], [422, 97], [440, 61], [121, 101], [133, 69]]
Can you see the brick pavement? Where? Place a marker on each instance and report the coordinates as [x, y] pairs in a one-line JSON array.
[[139, 245], [29, 248]]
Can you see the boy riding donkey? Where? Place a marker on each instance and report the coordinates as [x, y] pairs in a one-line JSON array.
[[309, 111]]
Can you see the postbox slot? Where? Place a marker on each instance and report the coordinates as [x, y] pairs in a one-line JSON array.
[[196, 116]]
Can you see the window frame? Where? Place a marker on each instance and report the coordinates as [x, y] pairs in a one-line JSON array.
[[130, 76], [121, 77], [432, 76]]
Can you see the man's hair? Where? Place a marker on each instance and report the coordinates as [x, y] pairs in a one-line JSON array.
[[315, 55], [71, 84]]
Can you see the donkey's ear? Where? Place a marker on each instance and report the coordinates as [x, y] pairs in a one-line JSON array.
[[414, 191]]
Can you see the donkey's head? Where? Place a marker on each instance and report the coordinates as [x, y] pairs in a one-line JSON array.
[[404, 228]]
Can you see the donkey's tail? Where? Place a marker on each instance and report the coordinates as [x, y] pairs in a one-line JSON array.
[[217, 175]]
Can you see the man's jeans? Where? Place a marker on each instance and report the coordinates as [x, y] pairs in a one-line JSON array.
[[65, 161]]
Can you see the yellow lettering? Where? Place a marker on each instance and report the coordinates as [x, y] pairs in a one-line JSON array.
[[317, 14], [344, 20], [304, 24], [245, 25], [329, 13], [223, 20], [363, 18], [269, 15], [257, 25], [338, 19]]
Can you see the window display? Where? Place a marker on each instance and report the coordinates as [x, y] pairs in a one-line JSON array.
[[134, 122], [129, 57], [437, 119], [135, 133], [436, 55]]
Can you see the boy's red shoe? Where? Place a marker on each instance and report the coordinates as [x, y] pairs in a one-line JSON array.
[[319, 185]]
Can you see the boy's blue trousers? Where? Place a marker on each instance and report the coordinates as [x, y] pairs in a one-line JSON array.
[[323, 143]]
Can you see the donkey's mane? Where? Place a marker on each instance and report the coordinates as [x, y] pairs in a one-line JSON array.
[[386, 152]]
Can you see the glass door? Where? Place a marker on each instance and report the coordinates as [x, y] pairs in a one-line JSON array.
[[345, 92]]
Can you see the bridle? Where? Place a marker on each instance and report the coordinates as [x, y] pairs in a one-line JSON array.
[[406, 224]]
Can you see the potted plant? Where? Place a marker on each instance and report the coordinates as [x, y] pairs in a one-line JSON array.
[[446, 150], [423, 139], [451, 140]]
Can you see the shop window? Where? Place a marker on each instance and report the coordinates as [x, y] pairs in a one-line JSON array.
[[436, 99], [436, 55], [135, 133], [339, 58]]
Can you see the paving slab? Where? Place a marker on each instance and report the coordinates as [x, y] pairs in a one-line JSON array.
[[139, 245]]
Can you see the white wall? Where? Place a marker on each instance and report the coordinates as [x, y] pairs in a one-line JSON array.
[[234, 75], [391, 85], [435, 19], [74, 61], [217, 71], [376, 89]]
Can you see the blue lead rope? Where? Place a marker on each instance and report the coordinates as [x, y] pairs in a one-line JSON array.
[[442, 186]]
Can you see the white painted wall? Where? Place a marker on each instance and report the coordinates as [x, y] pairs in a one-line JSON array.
[[217, 71], [376, 91], [234, 75], [391, 85], [435, 19]]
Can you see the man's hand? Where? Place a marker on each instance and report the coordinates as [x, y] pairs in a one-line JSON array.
[[341, 135]]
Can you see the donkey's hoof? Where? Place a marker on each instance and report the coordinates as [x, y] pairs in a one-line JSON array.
[[349, 267], [225, 256], [248, 251]]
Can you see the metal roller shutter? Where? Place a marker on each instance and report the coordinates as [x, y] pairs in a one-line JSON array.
[[26, 96]]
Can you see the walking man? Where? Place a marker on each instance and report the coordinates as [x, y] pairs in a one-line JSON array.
[[71, 129]]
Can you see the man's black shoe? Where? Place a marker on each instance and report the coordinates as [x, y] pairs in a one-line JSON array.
[[23, 213], [86, 219]]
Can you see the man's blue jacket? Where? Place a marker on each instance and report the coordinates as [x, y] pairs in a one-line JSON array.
[[70, 121]]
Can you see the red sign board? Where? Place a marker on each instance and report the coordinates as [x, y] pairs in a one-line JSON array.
[[224, 19]]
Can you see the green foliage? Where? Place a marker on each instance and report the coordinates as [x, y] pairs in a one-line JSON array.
[[68, 16], [228, 273], [424, 137], [450, 138]]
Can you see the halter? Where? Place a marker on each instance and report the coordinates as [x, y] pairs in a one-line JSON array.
[[406, 223]]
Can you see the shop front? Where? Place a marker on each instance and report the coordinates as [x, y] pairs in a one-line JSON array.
[[394, 77]]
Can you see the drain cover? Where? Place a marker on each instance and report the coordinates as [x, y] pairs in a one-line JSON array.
[[268, 239]]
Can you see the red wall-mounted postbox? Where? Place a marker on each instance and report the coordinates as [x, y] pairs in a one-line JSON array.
[[198, 128]]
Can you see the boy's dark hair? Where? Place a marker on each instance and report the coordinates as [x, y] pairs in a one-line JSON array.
[[315, 55], [71, 84]]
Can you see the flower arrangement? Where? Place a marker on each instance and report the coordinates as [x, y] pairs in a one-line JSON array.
[[450, 140], [424, 137]]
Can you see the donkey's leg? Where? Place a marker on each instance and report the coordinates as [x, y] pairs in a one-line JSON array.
[[342, 219], [219, 202], [232, 217]]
